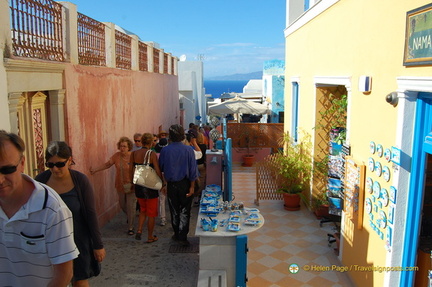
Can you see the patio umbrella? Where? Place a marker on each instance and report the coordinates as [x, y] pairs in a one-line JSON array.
[[237, 106]]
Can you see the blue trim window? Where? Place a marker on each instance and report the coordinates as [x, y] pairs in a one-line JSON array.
[[294, 114]]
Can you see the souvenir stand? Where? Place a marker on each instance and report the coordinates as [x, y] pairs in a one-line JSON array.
[[223, 227]]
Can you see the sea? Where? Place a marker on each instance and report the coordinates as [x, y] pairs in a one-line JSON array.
[[217, 88]]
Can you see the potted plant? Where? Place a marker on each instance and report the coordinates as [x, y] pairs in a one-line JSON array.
[[293, 169], [320, 206], [248, 158]]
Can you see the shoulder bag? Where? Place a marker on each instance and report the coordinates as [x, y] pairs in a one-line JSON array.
[[145, 175]]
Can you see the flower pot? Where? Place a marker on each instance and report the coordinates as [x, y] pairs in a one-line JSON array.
[[322, 211], [248, 160], [291, 201]]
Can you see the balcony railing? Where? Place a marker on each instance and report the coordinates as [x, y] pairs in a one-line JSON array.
[[36, 28], [123, 50], [91, 41], [40, 30]]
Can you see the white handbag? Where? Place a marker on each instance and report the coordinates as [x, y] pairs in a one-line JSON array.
[[145, 175]]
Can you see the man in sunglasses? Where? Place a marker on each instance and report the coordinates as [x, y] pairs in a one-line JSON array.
[[36, 227]]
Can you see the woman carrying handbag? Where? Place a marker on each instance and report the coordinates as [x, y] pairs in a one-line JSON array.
[[147, 198]]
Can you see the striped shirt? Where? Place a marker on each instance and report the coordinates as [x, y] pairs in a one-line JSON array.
[[38, 236]]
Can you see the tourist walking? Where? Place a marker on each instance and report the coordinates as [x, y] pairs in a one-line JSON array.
[[76, 191], [147, 198], [137, 142], [123, 180], [36, 242], [178, 164]]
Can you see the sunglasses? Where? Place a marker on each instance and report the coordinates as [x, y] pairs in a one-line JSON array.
[[58, 164], [9, 168], [137, 141]]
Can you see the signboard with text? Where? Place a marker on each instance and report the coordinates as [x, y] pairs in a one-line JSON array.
[[418, 37]]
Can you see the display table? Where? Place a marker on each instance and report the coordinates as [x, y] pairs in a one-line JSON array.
[[220, 251]]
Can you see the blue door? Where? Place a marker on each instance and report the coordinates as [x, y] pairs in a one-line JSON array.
[[422, 146]]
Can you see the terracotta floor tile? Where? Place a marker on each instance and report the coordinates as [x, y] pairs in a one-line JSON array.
[[287, 237]]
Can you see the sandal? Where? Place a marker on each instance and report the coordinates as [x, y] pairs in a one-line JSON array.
[[154, 239], [138, 236], [130, 232]]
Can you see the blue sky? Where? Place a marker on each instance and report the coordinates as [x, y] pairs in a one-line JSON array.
[[234, 36]]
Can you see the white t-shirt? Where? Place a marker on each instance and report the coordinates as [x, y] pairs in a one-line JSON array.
[[38, 236]]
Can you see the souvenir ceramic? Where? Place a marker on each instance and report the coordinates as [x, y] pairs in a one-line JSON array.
[[372, 147], [386, 173], [368, 205], [384, 197], [379, 150], [369, 184], [376, 189], [378, 169], [371, 164], [392, 195], [387, 154], [234, 227], [382, 219]]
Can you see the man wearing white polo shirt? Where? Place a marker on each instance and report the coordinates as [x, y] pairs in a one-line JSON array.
[[36, 227]]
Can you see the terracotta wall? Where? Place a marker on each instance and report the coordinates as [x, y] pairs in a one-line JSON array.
[[103, 104]]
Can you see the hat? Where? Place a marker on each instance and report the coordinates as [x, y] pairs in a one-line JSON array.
[[193, 133], [162, 133]]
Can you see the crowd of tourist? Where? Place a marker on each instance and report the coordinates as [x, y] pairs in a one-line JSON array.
[[50, 230]]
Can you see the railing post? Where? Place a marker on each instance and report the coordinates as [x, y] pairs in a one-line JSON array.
[[71, 31], [161, 61], [134, 53], [150, 50], [110, 45]]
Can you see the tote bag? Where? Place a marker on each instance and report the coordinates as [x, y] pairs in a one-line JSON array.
[[145, 175]]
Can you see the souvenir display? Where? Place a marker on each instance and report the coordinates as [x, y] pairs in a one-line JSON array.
[[387, 154], [384, 197], [371, 164], [379, 150], [369, 183], [378, 169], [372, 147], [386, 173]]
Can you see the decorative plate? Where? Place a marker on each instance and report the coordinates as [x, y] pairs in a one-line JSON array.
[[371, 164], [380, 150], [376, 189], [386, 173], [252, 222], [378, 169], [372, 147], [369, 183], [384, 197], [368, 205], [387, 154], [382, 219]]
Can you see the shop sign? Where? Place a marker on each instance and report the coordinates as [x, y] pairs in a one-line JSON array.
[[418, 36]]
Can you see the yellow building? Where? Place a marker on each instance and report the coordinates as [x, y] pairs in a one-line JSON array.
[[378, 54]]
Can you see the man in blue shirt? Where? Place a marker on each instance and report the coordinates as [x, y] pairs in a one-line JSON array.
[[178, 164]]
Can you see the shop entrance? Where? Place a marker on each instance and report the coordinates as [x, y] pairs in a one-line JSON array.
[[419, 213]]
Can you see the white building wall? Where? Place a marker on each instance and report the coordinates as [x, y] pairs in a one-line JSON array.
[[191, 91]]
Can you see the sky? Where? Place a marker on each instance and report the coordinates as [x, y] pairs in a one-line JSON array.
[[231, 36]]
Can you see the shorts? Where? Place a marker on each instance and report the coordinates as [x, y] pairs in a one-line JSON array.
[[149, 206]]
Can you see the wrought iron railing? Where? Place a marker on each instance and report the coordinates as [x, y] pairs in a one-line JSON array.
[[155, 60], [37, 31], [143, 57], [91, 41], [123, 44], [36, 28]]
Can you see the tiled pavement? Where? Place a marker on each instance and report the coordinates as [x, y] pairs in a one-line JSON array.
[[287, 237]]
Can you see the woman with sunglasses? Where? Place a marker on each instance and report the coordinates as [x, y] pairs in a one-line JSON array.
[[77, 192], [123, 181]]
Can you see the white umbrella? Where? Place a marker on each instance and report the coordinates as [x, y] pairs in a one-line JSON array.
[[237, 106]]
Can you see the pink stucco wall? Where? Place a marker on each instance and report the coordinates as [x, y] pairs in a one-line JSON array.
[[104, 104]]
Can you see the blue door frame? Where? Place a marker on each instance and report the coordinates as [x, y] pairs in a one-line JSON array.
[[422, 144]]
